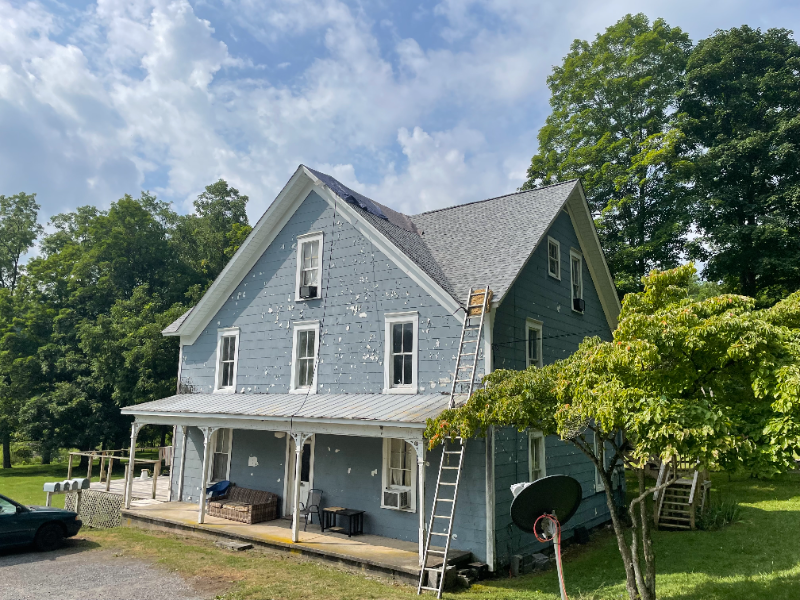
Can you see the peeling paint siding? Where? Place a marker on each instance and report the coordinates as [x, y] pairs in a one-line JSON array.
[[538, 296], [361, 285]]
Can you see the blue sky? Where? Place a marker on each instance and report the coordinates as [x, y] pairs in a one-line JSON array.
[[417, 104]]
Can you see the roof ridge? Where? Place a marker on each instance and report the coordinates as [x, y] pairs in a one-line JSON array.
[[552, 185]]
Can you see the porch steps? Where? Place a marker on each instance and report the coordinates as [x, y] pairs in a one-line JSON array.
[[431, 578], [678, 505]]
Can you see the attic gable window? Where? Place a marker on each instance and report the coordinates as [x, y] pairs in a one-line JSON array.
[[309, 267], [304, 357], [401, 353], [553, 258], [227, 359], [576, 280]]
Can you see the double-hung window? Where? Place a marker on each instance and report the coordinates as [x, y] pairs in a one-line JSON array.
[[401, 350], [576, 280], [304, 357], [553, 258], [227, 359], [221, 458], [536, 456], [533, 343], [309, 267], [399, 475], [599, 486]]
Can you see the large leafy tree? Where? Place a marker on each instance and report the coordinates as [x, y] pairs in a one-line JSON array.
[[740, 110], [612, 124], [712, 380], [19, 229]]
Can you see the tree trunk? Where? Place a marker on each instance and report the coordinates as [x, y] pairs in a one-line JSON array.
[[6, 450], [47, 455], [163, 441]]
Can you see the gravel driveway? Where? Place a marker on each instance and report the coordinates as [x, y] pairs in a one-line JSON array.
[[77, 572]]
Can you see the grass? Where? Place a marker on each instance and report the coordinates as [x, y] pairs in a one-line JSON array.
[[756, 557]]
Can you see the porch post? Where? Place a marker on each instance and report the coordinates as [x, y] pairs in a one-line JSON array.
[[207, 433], [171, 465], [184, 430], [299, 441], [419, 447], [135, 427]]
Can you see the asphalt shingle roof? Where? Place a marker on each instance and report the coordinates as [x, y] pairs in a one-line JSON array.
[[469, 245]]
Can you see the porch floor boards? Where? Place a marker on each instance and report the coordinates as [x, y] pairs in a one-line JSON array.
[[372, 553], [142, 488]]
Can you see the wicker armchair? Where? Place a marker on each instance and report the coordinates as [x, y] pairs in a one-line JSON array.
[[245, 505]]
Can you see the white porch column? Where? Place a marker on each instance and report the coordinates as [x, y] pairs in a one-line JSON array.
[[419, 447], [135, 428], [299, 441], [184, 430], [207, 433]]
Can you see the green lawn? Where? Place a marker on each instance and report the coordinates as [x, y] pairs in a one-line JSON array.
[[755, 559]]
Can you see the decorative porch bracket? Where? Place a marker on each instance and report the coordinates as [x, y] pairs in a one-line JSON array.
[[207, 433], [136, 426], [419, 448], [299, 441]]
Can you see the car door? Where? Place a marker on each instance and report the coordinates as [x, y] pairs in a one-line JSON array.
[[11, 526]]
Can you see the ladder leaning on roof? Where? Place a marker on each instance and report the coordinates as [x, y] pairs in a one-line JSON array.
[[478, 305]]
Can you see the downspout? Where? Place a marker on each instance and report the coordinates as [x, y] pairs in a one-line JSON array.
[[488, 363]]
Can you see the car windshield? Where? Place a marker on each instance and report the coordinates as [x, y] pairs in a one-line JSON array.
[[7, 507]]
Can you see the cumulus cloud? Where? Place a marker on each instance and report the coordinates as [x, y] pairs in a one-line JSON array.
[[419, 111]]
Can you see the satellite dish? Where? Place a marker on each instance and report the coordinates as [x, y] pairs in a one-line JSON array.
[[557, 495], [552, 500]]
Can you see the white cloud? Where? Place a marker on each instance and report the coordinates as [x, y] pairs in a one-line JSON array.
[[149, 93]]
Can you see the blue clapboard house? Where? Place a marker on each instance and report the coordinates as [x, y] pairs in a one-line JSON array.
[[314, 359]]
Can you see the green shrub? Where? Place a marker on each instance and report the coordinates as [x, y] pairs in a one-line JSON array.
[[719, 514]]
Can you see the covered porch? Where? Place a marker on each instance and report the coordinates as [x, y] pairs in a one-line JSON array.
[[386, 557], [286, 428]]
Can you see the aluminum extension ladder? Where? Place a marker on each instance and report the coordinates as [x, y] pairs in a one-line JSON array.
[[463, 384]]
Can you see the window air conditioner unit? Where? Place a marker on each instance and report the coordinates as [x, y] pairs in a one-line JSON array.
[[579, 304], [308, 291], [395, 498]]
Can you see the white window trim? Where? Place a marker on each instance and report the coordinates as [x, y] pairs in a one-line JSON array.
[[301, 239], [230, 454], [599, 486], [299, 326], [412, 490], [558, 245], [532, 324], [391, 319], [572, 255], [234, 331], [535, 437]]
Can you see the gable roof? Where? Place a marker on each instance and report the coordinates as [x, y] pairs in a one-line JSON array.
[[489, 241], [446, 251]]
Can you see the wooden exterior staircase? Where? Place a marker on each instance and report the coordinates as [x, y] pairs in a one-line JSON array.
[[678, 506]]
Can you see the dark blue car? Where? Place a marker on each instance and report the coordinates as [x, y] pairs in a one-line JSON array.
[[41, 526]]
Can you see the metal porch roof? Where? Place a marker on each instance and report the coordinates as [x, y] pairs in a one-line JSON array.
[[379, 408]]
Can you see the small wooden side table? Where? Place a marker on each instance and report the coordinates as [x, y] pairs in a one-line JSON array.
[[355, 520]]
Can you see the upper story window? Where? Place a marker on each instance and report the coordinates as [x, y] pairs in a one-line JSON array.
[[536, 456], [576, 280], [553, 258], [304, 357], [309, 267], [401, 350], [399, 475], [599, 486], [533, 344], [227, 359]]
